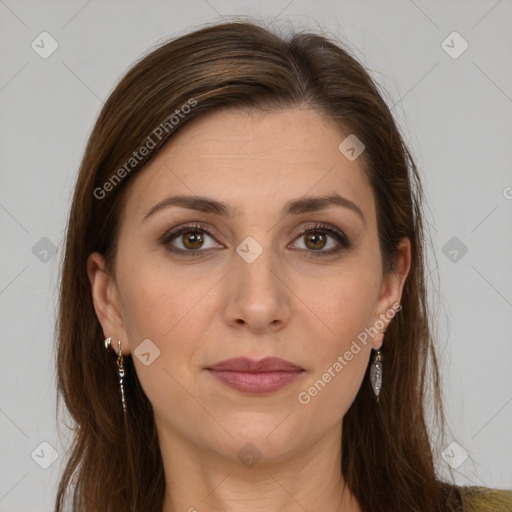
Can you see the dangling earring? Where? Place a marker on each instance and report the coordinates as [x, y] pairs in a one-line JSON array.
[[120, 370], [376, 372]]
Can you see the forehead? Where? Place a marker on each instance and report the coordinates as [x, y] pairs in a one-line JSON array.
[[245, 158]]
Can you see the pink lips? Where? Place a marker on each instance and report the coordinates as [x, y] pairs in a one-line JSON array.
[[250, 376]]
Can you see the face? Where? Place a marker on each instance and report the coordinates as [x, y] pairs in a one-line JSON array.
[[269, 273]]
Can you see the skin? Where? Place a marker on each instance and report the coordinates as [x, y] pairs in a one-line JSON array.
[[287, 303]]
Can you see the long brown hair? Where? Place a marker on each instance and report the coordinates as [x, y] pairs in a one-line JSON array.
[[115, 463]]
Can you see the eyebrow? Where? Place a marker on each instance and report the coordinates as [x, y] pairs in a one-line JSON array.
[[293, 207]]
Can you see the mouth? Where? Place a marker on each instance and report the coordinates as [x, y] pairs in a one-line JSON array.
[[256, 377]]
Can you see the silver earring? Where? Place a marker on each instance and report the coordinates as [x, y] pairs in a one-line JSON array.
[[120, 369], [120, 372], [376, 372]]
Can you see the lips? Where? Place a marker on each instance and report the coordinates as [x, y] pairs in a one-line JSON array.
[[257, 377], [243, 364]]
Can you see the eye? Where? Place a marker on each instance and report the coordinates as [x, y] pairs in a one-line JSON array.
[[316, 239], [189, 239], [193, 240]]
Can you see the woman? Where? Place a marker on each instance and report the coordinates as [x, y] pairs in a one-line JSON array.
[[246, 241]]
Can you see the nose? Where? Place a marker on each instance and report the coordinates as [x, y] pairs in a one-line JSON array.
[[257, 297]]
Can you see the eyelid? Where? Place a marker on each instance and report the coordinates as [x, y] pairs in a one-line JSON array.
[[344, 242], [193, 226], [320, 226]]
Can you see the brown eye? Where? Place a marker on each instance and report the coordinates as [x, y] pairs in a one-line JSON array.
[[322, 240], [189, 240], [192, 239], [315, 240]]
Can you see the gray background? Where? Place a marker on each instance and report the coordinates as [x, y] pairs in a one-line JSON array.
[[455, 112]]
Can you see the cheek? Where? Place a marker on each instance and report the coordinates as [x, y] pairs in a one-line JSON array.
[[163, 306], [346, 308], [158, 301], [345, 304], [171, 308]]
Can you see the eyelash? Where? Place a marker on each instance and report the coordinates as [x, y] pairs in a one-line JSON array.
[[339, 236]]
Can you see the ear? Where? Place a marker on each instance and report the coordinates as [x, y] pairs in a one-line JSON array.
[[106, 301], [391, 290]]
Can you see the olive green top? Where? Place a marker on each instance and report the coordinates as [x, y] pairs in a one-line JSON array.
[[482, 499]]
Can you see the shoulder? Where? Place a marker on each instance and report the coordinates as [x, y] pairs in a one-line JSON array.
[[483, 499]]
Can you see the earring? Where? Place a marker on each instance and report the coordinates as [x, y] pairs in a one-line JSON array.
[[120, 371], [376, 372]]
